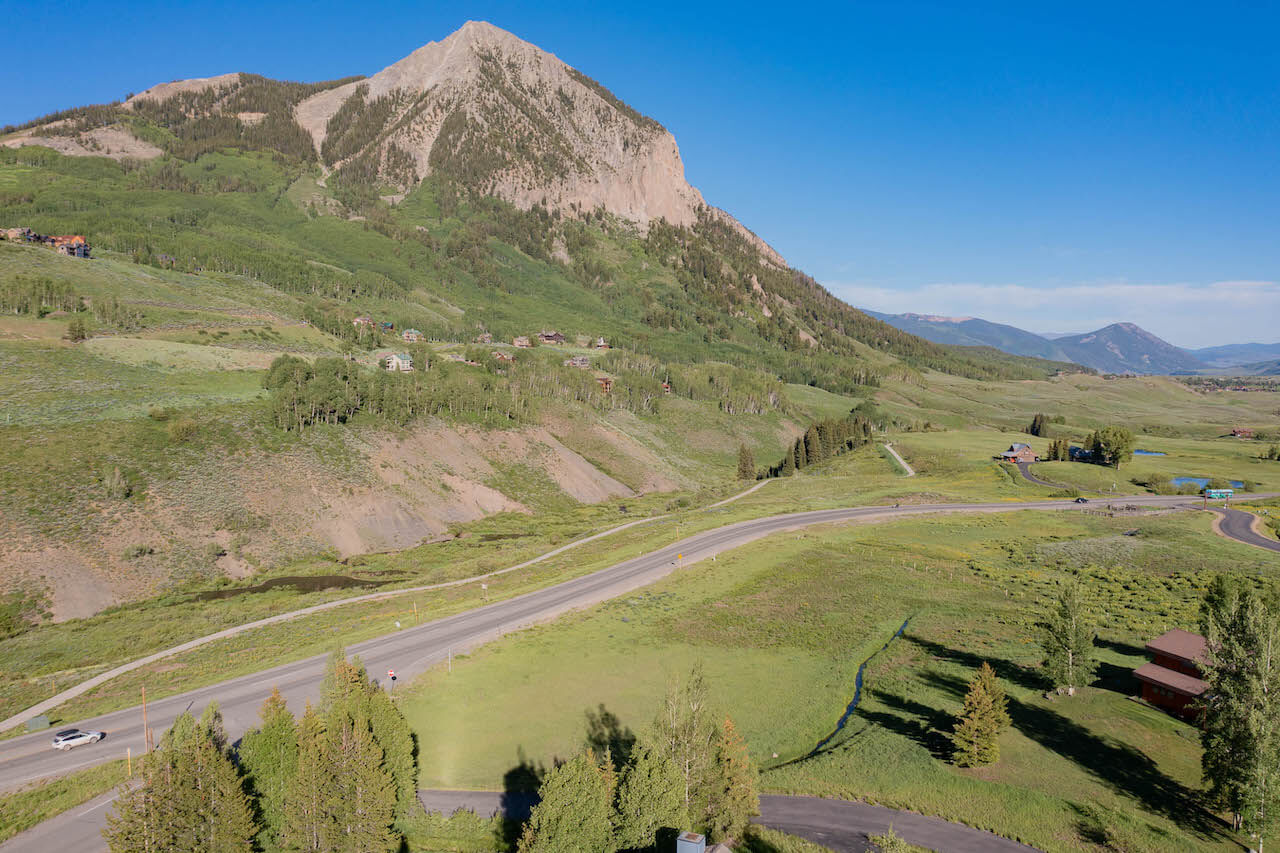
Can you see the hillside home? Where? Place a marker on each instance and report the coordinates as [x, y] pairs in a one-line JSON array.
[[387, 326], [1019, 452], [1172, 680], [71, 245], [499, 355], [412, 336], [19, 234], [579, 361], [552, 337], [521, 341], [601, 343], [398, 362], [1079, 454], [484, 338], [362, 321], [606, 383], [1242, 432]]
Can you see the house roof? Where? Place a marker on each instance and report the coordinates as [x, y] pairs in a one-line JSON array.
[[1182, 645], [1018, 445], [1153, 673]]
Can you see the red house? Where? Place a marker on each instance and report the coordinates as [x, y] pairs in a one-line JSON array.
[[1172, 679]]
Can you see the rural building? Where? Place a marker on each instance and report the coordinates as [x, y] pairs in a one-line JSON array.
[[552, 337], [387, 326], [484, 338], [666, 387], [71, 245], [579, 361], [412, 336], [498, 355], [1079, 454], [1172, 679], [601, 343], [399, 362], [1242, 432], [362, 321], [1019, 452], [606, 383], [19, 234], [521, 341]]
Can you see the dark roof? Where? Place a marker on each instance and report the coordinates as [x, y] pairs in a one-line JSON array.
[[1180, 644], [1187, 685]]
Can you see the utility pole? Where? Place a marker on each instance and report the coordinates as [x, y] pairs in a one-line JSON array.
[[146, 729]]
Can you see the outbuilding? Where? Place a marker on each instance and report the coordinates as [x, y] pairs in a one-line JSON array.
[[1172, 680]]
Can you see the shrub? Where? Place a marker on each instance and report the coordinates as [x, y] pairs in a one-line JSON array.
[[182, 430], [133, 552], [115, 485]]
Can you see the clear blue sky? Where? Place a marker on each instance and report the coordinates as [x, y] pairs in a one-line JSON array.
[[1057, 169]]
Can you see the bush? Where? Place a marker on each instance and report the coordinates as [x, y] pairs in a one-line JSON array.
[[183, 430], [133, 552], [115, 485]]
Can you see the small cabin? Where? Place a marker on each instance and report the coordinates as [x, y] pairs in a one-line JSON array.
[[1242, 432], [412, 336], [484, 338], [552, 337], [606, 383], [579, 361], [362, 321], [521, 341], [1172, 680]]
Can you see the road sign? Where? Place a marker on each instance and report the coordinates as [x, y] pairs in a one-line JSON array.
[[391, 673], [1219, 494]]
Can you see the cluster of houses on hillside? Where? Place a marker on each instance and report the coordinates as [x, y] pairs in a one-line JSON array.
[[544, 337], [71, 245]]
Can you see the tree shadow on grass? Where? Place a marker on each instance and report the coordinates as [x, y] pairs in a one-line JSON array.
[[1006, 670], [1121, 648], [605, 732], [1122, 768], [921, 723], [519, 796]]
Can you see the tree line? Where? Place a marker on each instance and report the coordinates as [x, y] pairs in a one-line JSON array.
[[821, 441]]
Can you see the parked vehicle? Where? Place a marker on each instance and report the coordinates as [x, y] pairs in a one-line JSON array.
[[71, 738]]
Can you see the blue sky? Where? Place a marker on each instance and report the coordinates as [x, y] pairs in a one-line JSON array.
[[1056, 168]]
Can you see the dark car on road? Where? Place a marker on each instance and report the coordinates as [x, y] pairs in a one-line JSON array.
[[1082, 500]]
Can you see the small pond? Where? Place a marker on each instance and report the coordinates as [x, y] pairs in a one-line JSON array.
[[1203, 482], [302, 583], [1149, 453]]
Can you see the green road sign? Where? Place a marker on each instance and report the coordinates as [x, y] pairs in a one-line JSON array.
[[1219, 494]]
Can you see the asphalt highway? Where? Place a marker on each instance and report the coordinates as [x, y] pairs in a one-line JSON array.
[[412, 651]]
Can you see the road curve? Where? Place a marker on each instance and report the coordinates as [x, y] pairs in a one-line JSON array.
[[412, 651], [1025, 468], [1238, 525]]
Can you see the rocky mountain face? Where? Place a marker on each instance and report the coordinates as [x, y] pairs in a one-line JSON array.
[[1118, 348]]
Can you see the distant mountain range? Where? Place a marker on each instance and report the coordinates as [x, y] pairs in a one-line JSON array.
[[1118, 348]]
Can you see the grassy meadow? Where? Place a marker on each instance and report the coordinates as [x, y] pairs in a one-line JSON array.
[[782, 625]]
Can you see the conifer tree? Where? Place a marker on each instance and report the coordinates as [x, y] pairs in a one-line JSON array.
[[306, 820], [788, 464], [1066, 636], [999, 701], [1241, 723], [977, 727], [650, 799], [573, 814], [191, 797], [269, 758], [734, 798], [813, 449], [746, 463], [362, 801]]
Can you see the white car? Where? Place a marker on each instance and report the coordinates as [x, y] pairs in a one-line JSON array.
[[69, 738]]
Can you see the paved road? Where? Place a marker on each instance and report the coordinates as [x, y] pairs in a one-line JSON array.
[[839, 824], [412, 651], [1025, 468], [1238, 525]]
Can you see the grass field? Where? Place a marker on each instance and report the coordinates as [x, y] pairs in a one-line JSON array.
[[23, 809], [782, 625]]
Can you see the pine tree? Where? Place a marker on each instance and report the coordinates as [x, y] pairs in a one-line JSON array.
[[788, 464], [746, 463], [191, 797], [813, 449], [977, 727], [268, 758], [650, 799], [1037, 425], [1241, 724], [1067, 635], [362, 803], [573, 814], [306, 820], [734, 798], [999, 701]]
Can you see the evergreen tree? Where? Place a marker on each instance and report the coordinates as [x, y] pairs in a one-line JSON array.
[[191, 796], [573, 813], [788, 464], [1037, 425], [734, 798], [746, 463], [650, 799], [999, 701], [362, 801], [813, 449], [1241, 722], [802, 458], [1066, 636], [306, 820], [268, 758], [977, 727]]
